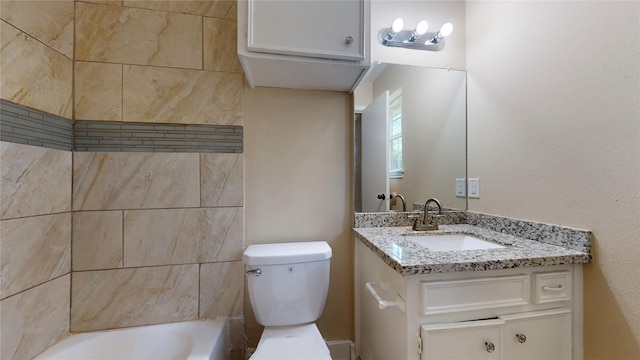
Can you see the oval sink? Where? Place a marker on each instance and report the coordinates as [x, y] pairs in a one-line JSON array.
[[453, 242]]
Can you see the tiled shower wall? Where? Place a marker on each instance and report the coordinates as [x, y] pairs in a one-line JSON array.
[[123, 237]]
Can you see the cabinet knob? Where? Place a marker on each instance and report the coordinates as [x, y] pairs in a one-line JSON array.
[[521, 338], [348, 40], [489, 347], [381, 196]]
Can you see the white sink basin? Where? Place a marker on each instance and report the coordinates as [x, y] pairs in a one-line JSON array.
[[453, 242]]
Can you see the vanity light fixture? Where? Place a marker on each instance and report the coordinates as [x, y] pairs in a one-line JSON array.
[[419, 38], [396, 27]]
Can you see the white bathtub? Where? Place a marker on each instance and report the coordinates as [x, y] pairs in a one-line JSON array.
[[190, 340]]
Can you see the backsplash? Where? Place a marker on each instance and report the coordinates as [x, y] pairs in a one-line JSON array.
[[395, 218]]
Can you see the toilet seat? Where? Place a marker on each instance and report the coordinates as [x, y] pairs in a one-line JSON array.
[[292, 343]]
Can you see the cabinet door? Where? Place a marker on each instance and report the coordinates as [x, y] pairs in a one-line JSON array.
[[464, 340], [538, 335], [315, 28]]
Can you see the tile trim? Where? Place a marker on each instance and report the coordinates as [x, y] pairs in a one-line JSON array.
[[109, 136], [24, 125]]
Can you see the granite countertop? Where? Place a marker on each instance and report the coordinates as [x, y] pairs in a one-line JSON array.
[[408, 258]]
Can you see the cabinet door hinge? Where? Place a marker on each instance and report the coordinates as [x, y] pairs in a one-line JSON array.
[[419, 343]]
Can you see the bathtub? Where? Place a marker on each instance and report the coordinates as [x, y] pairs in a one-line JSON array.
[[190, 340]]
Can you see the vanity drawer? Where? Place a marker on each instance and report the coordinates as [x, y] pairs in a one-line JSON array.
[[441, 297], [551, 287]]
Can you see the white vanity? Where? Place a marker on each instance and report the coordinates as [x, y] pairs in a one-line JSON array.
[[521, 301]]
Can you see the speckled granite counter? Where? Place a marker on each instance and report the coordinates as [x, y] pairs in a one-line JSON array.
[[408, 258]]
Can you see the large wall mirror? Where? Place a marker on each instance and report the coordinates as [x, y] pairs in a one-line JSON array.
[[411, 138]]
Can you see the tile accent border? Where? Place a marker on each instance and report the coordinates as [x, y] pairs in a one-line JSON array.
[[24, 125], [148, 137]]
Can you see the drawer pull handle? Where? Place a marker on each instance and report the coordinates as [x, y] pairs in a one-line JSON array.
[[489, 347], [549, 288], [521, 338], [384, 304]]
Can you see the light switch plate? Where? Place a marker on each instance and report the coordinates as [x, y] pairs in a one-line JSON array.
[[460, 188], [474, 188]]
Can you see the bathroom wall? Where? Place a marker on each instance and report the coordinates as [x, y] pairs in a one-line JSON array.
[[35, 208], [554, 136], [298, 186], [157, 221], [157, 236]]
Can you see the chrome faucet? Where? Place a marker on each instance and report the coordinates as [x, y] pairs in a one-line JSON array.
[[404, 203], [433, 223]]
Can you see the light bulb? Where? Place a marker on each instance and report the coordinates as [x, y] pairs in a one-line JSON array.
[[398, 25], [422, 27], [446, 29]]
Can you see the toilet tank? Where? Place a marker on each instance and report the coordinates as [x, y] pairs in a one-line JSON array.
[[288, 282]]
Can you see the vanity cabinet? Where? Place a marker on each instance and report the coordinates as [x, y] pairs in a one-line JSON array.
[[536, 335], [517, 313], [304, 44]]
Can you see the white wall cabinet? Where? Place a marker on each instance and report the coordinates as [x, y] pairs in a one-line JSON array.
[[325, 29], [311, 44], [521, 313]]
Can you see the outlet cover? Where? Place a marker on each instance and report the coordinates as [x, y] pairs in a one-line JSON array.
[[460, 188], [474, 188]]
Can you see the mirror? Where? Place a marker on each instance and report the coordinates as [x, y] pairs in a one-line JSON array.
[[429, 106]]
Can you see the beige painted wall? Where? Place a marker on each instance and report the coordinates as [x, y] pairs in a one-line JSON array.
[[298, 176], [554, 136]]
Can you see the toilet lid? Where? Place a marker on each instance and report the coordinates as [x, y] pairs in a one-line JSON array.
[[291, 348]]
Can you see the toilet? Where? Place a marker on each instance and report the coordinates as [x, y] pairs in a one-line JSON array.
[[288, 285]]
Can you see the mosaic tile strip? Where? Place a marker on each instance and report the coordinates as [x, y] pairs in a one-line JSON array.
[[147, 137], [24, 125]]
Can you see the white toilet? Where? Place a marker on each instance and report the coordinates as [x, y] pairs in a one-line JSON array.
[[288, 285]]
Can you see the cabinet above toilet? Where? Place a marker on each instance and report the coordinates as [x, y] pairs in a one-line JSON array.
[[321, 45]]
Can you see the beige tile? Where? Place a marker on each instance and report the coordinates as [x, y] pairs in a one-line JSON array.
[[130, 297], [213, 8], [51, 22], [180, 236], [153, 94], [221, 289], [106, 2], [35, 319], [35, 180], [222, 179], [220, 45], [136, 36], [110, 181], [33, 74], [42, 240], [98, 92], [97, 240]]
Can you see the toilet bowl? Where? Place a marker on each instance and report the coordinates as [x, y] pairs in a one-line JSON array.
[[288, 285], [292, 342]]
